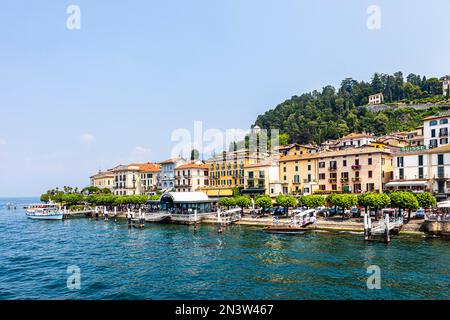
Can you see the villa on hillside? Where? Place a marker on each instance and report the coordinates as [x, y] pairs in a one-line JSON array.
[[376, 98]]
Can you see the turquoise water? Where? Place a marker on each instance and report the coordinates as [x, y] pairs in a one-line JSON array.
[[174, 262]]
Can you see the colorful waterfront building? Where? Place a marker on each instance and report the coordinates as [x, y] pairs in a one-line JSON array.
[[127, 179], [436, 130], [150, 177], [191, 177], [262, 178], [421, 169], [226, 171], [294, 149], [298, 173], [354, 170], [168, 172], [103, 179]]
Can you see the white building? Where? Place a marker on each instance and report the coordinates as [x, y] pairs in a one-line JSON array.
[[191, 176], [421, 169], [436, 131], [150, 176], [376, 98], [127, 180], [354, 140]]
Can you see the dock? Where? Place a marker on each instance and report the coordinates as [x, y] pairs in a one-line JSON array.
[[73, 214], [383, 230]]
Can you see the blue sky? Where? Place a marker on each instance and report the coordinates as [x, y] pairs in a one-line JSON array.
[[73, 102]]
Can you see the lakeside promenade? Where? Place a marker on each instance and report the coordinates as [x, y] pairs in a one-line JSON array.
[[336, 224]]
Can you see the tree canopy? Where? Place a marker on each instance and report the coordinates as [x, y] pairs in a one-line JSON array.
[[331, 113]]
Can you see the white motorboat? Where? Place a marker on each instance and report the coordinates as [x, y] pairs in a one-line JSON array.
[[45, 213]]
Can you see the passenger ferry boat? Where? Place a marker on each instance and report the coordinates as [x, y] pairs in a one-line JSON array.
[[44, 212]]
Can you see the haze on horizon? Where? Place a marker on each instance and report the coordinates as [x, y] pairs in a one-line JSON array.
[[76, 101]]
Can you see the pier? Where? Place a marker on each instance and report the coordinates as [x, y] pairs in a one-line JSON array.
[[383, 230]]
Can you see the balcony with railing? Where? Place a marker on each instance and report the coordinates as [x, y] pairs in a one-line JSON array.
[[332, 180], [332, 168], [356, 167], [356, 179]]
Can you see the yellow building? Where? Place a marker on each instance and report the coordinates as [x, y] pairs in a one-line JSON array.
[[103, 179], [298, 174], [294, 149], [226, 172]]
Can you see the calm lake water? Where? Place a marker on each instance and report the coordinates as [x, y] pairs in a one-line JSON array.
[[174, 262]]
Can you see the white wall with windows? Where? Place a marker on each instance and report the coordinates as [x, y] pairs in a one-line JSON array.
[[436, 132]]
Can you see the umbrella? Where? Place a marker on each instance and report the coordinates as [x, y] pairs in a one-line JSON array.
[[443, 204]]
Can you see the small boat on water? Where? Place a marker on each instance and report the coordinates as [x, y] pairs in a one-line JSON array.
[[301, 219], [285, 229], [44, 212]]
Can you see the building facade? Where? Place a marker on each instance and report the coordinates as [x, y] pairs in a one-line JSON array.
[[150, 177], [299, 174], [376, 98], [355, 170], [294, 149], [226, 171], [436, 131], [103, 179], [191, 177], [127, 180], [262, 178], [420, 169], [354, 140], [168, 173]]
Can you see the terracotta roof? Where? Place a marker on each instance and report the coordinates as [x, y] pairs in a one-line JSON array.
[[192, 166], [150, 167], [357, 135], [351, 151], [439, 116]]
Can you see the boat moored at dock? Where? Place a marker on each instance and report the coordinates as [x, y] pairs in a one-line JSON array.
[[45, 214]]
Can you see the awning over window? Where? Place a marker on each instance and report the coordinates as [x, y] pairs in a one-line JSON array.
[[412, 183]]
